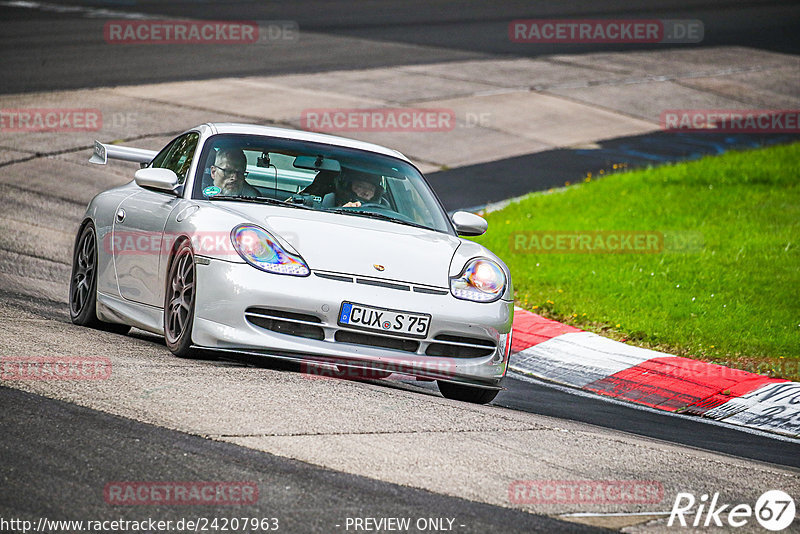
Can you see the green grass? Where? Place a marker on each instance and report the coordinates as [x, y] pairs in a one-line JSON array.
[[734, 299]]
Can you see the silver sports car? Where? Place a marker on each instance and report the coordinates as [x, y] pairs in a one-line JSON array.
[[328, 251]]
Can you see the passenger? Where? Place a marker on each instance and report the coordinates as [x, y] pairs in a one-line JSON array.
[[322, 185], [360, 188]]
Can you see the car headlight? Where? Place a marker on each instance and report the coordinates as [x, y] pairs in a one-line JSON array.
[[258, 248], [482, 280]]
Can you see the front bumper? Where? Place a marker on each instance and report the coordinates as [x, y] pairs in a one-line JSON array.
[[226, 290]]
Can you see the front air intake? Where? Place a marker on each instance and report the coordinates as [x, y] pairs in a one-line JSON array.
[[451, 346], [283, 322]]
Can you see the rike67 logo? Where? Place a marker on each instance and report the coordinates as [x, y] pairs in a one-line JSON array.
[[774, 510]]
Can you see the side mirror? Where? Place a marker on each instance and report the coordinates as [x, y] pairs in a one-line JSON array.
[[159, 179], [469, 224]]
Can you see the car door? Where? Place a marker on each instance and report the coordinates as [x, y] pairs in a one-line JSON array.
[[138, 234]]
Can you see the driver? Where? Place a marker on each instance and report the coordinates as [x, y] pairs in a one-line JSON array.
[[229, 171], [360, 188]]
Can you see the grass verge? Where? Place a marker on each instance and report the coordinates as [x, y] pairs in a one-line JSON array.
[[717, 273]]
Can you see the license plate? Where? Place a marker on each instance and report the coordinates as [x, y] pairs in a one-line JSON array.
[[384, 320]]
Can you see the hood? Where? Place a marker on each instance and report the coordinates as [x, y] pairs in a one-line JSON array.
[[353, 245]]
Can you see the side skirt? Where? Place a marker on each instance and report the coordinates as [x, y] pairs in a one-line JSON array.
[[113, 309]]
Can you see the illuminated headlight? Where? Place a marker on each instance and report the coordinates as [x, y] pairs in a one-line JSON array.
[[482, 280], [258, 248]]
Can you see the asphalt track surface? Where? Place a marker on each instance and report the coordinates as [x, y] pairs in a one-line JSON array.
[[45, 49], [48, 444], [79, 450]]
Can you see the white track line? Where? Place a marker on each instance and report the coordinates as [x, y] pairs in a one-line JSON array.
[[613, 514]]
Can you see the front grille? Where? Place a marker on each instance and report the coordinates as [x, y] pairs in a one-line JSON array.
[[379, 283], [289, 323], [337, 277], [430, 291], [460, 347], [386, 342]]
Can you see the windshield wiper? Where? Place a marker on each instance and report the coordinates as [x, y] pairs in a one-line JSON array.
[[260, 200], [381, 216]]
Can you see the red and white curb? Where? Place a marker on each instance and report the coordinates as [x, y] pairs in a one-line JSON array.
[[564, 354]]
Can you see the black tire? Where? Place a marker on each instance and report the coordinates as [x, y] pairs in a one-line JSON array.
[[83, 284], [466, 393], [179, 301]]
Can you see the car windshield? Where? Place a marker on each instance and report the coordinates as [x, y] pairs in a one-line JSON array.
[[345, 181]]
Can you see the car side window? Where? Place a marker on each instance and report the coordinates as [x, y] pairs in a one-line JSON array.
[[177, 156]]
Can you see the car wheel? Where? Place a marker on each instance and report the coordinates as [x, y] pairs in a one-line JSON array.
[[179, 301], [466, 393], [83, 284]]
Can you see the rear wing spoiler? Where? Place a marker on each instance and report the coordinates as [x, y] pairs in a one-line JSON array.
[[102, 153]]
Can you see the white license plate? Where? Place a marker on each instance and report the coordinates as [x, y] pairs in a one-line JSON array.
[[383, 320]]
